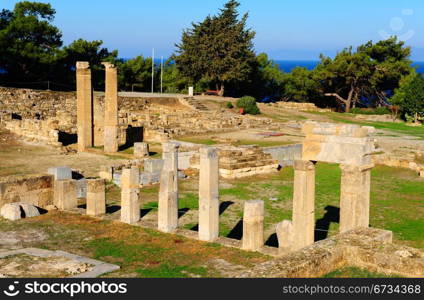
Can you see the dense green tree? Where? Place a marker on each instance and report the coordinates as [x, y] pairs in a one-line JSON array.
[[392, 63], [135, 74], [82, 50], [28, 41], [344, 77], [173, 81], [410, 96], [267, 78], [299, 85], [219, 49], [370, 72]]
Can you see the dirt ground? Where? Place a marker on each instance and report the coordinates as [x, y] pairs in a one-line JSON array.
[[18, 157]]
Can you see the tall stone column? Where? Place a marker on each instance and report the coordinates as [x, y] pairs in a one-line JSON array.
[[96, 198], [111, 109], [303, 224], [208, 195], [253, 225], [130, 202], [355, 197], [168, 202], [84, 106]]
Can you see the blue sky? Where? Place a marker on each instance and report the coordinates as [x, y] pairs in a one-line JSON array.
[[285, 29]]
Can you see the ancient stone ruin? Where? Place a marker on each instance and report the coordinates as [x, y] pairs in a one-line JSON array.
[[348, 145]]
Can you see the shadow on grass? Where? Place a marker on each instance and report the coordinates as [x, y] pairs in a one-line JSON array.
[[332, 215]]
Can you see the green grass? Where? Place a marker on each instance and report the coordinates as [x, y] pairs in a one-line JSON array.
[[354, 272], [395, 127], [397, 199], [188, 200]]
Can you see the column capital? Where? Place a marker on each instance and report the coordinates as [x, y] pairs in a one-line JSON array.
[[209, 152], [170, 147], [83, 65], [304, 165], [108, 65]]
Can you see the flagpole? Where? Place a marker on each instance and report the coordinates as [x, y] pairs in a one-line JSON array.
[[161, 74], [153, 67]]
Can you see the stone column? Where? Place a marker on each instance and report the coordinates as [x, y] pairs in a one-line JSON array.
[[355, 197], [253, 225], [84, 106], [303, 204], [168, 202], [170, 157], [96, 198], [65, 194], [130, 203], [208, 195], [141, 150], [111, 109]]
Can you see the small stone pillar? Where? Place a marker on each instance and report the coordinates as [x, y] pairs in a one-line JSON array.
[[65, 194], [303, 204], [170, 157], [253, 225], [284, 232], [355, 197], [96, 198], [141, 150], [130, 202], [190, 91], [168, 202], [84, 106], [208, 195], [111, 109]]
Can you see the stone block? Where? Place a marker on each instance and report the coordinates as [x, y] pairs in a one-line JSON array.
[[253, 225], [65, 194], [60, 173], [153, 165], [96, 198], [11, 211], [130, 206]]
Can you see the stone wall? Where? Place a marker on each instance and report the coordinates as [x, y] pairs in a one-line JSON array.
[[35, 189], [158, 118], [40, 131], [243, 161], [299, 106], [286, 155]]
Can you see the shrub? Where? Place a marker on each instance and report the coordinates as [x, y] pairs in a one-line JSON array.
[[230, 105], [248, 103]]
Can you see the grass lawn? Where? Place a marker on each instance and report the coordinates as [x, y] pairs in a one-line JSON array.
[[397, 201], [401, 128], [396, 204], [139, 252]]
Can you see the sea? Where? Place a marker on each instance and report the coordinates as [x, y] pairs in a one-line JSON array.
[[288, 65]]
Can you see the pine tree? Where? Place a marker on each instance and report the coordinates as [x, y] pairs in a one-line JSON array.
[[219, 49]]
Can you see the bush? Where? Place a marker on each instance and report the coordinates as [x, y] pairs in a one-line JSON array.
[[230, 105], [248, 103], [382, 110]]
